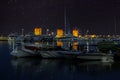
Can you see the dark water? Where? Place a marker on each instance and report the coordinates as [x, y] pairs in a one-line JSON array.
[[49, 69]]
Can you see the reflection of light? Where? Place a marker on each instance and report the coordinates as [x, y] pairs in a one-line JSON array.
[[37, 43], [75, 46], [49, 34], [59, 43], [75, 43]]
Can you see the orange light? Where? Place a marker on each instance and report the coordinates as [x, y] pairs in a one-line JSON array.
[[75, 33], [75, 46], [38, 31], [59, 43], [59, 33], [37, 43]]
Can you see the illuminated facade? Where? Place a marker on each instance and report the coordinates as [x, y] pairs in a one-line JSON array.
[[93, 36], [60, 33], [75, 32], [38, 31]]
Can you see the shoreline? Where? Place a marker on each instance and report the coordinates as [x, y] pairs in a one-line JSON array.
[[2, 38]]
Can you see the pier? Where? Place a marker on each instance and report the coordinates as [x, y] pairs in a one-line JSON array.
[[3, 38]]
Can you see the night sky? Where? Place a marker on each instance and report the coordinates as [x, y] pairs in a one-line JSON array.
[[97, 16]]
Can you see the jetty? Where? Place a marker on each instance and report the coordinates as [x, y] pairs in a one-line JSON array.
[[3, 38]]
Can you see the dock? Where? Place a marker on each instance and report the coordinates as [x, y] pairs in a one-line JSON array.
[[3, 38]]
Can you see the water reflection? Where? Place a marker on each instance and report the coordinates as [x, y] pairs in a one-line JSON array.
[[71, 45], [57, 69], [75, 46], [59, 43], [39, 65]]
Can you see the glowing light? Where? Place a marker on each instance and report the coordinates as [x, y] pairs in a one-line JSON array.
[[75, 46], [108, 36], [93, 36], [37, 43], [80, 36], [75, 33], [47, 31], [59, 43], [52, 33], [38, 31], [59, 33]]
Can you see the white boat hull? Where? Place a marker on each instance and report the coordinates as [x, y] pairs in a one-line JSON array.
[[24, 53], [20, 53], [59, 54], [77, 55], [97, 56]]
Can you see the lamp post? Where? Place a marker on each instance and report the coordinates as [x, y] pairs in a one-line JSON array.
[[47, 31]]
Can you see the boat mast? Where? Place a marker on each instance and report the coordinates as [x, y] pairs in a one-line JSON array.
[[115, 25], [65, 20]]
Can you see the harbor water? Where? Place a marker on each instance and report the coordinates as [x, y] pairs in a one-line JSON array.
[[53, 69]]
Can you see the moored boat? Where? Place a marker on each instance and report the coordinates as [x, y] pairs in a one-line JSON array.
[[46, 50], [96, 57]]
